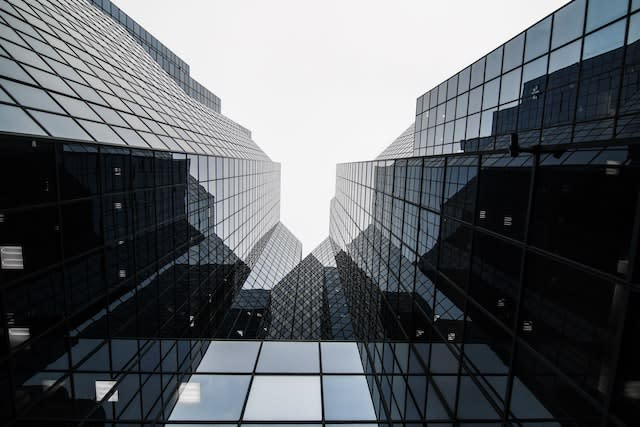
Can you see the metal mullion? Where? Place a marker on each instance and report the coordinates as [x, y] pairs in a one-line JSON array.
[[521, 281], [431, 382], [465, 290], [253, 374]]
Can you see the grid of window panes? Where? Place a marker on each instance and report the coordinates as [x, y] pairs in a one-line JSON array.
[[169, 61], [401, 147], [249, 316], [115, 242], [514, 280], [182, 381], [309, 303], [572, 77], [69, 71]]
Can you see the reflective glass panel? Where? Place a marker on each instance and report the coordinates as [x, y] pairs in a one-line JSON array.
[[347, 398], [510, 88], [602, 11], [568, 23], [288, 357], [513, 53], [604, 40], [14, 119], [211, 397], [340, 357], [538, 39], [230, 356], [565, 56], [287, 398]]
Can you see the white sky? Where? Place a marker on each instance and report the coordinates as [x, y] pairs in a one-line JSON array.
[[327, 81]]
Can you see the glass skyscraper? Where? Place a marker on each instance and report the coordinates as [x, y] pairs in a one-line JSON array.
[[482, 271]]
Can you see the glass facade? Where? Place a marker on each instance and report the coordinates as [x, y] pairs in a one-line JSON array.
[[146, 278]]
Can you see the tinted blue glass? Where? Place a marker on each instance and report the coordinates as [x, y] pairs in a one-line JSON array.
[[347, 398], [475, 100], [494, 64], [532, 71], [477, 73], [211, 397], [463, 80], [565, 56], [601, 12], [510, 87], [634, 28], [490, 94], [513, 53], [229, 356], [604, 40], [288, 357], [340, 357], [538, 39], [568, 23]]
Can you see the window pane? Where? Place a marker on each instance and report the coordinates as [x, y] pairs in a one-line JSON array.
[[347, 398], [230, 356], [340, 357], [494, 64], [602, 11], [567, 23], [564, 57], [490, 95], [477, 73], [533, 71], [61, 126], [288, 357], [287, 398], [14, 119], [28, 96], [463, 80], [510, 88], [538, 39], [475, 100], [634, 28], [513, 53], [602, 41], [461, 105], [211, 397]]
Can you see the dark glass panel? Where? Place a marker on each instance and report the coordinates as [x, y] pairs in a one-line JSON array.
[[495, 277], [573, 333], [584, 211], [28, 169]]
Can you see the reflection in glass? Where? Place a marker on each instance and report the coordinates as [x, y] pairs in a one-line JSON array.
[[288, 357], [602, 11], [568, 23], [211, 397], [290, 398], [230, 356], [347, 398], [565, 56], [605, 40], [340, 357], [538, 39]]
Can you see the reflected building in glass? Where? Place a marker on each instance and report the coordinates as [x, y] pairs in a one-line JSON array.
[[482, 271]]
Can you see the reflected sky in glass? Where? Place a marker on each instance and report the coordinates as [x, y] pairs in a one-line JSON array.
[[347, 397], [212, 397], [230, 356], [286, 398], [289, 357], [341, 357]]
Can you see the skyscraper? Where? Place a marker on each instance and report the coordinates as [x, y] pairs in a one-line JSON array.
[[483, 270]]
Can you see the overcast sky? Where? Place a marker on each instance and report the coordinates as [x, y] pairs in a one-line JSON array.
[[328, 81]]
